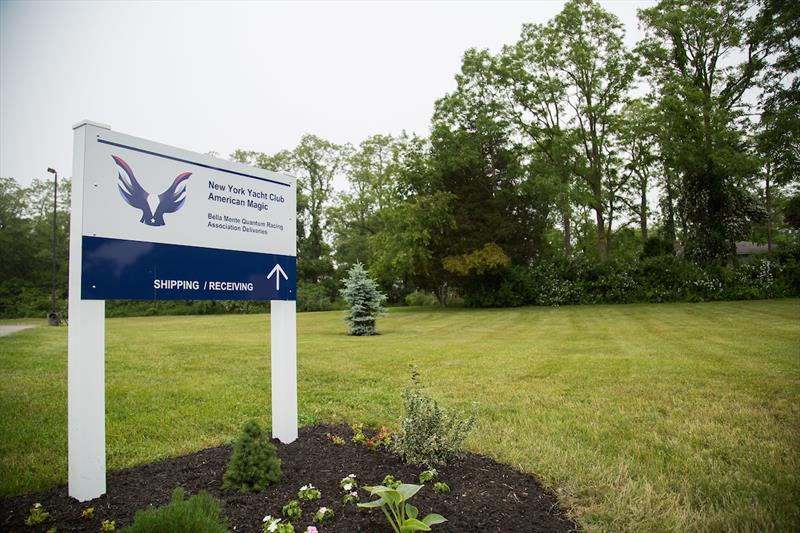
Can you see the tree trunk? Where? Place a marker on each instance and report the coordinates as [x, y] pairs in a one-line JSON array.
[[768, 198], [601, 235], [643, 211]]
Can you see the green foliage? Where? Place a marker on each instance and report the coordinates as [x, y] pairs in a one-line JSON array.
[[201, 512], [427, 475], [364, 300], [322, 515], [389, 481], [402, 516], [311, 297], [420, 298], [255, 463], [308, 493], [292, 511], [275, 525], [37, 515], [429, 434], [441, 487], [109, 526], [88, 513]]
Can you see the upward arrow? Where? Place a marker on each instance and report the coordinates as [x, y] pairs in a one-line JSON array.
[[277, 271]]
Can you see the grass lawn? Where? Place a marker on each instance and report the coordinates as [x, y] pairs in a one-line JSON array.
[[641, 417]]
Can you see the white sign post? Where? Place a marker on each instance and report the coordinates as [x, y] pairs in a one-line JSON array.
[[154, 222]]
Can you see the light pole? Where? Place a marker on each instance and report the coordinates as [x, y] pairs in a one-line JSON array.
[[53, 319]]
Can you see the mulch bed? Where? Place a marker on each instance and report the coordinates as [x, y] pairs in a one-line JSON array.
[[485, 495]]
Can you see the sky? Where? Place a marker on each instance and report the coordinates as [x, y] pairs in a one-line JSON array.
[[209, 76]]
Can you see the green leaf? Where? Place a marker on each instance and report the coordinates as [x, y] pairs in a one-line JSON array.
[[433, 519], [411, 511], [373, 504], [377, 489], [408, 490], [412, 524]]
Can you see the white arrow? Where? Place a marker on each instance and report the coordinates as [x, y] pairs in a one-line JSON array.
[[279, 271]]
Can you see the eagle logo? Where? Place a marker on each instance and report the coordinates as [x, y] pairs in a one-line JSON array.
[[153, 207]]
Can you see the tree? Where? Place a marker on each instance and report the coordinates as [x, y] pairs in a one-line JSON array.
[[590, 52], [364, 299], [692, 50]]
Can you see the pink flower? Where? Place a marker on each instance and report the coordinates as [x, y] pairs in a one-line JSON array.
[[354, 493], [323, 510], [311, 529]]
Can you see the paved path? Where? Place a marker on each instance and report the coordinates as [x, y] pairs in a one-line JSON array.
[[8, 330]]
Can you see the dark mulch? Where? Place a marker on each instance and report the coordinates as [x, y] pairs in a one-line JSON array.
[[485, 496]]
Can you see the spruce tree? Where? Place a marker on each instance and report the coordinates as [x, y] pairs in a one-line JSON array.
[[364, 299], [255, 463]]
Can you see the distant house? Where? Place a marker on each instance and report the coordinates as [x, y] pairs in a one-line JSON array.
[[747, 250]]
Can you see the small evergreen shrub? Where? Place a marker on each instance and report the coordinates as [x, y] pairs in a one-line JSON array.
[[255, 463], [364, 300], [199, 513], [430, 434]]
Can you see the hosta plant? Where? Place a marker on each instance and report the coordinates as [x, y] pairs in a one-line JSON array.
[[402, 516]]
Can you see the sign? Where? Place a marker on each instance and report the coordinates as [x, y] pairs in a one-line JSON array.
[[161, 223], [149, 221]]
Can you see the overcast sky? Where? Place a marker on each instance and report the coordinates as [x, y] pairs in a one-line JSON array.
[[209, 76]]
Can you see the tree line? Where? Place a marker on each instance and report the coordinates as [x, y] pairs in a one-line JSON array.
[[567, 148]]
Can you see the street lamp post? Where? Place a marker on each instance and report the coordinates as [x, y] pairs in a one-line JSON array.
[[53, 319]]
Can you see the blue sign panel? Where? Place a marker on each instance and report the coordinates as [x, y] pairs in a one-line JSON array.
[[135, 270]]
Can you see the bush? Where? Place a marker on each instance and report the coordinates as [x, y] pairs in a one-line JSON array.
[[419, 298], [429, 434], [311, 297], [255, 463], [364, 300], [198, 513]]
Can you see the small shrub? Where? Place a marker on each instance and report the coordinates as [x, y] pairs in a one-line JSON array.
[[419, 298], [255, 463], [430, 435], [440, 487], [364, 300], [199, 513], [292, 511], [37, 516]]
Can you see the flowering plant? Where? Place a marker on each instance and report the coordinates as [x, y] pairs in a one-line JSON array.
[[38, 515], [402, 516], [427, 475], [381, 438], [311, 529], [349, 483], [292, 511], [324, 513], [108, 526], [308, 493], [350, 497], [274, 525]]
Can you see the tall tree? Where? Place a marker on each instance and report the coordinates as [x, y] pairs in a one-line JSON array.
[[693, 49], [599, 71]]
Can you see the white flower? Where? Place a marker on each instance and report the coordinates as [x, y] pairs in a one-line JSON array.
[[272, 527], [348, 487], [304, 487], [267, 518]]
